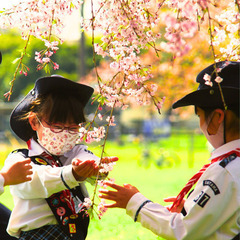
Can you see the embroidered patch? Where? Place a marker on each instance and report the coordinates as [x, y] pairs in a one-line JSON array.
[[54, 202], [61, 211], [212, 185], [88, 151], [72, 228], [202, 199], [65, 221], [40, 160], [227, 160]]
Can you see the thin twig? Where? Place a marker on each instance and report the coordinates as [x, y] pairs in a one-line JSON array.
[[213, 52], [8, 95]]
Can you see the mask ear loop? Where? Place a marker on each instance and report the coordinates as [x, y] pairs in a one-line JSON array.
[[224, 126]]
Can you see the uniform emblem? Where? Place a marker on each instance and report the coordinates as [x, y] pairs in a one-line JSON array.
[[88, 151], [55, 202], [65, 221], [227, 160], [41, 161], [61, 211], [202, 199], [212, 185], [72, 228], [73, 216]]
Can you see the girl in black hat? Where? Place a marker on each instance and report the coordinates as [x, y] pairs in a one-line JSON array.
[[51, 205], [212, 210]]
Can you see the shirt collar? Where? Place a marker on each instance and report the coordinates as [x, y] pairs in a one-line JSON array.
[[35, 148], [225, 148]]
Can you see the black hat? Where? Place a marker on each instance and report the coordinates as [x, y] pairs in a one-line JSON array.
[[43, 86], [210, 96]]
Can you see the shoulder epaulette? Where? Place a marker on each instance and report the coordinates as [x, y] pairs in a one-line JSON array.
[[227, 160], [23, 151]]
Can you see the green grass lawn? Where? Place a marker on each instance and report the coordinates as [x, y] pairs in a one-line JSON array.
[[153, 178]]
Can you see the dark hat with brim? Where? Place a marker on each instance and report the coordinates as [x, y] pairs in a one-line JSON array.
[[44, 86], [210, 96]]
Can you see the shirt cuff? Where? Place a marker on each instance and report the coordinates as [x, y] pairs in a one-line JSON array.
[[2, 180], [68, 178], [134, 204]]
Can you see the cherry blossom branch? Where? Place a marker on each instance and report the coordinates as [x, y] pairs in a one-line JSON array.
[[213, 53], [23, 53], [93, 46], [104, 145]]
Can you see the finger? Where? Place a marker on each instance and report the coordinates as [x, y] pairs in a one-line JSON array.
[[29, 172], [28, 167], [169, 199], [109, 159], [113, 185], [102, 190], [126, 185], [28, 178], [107, 192], [110, 205], [26, 161], [107, 197], [86, 165]]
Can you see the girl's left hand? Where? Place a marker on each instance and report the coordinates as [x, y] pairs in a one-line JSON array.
[[88, 168], [84, 169]]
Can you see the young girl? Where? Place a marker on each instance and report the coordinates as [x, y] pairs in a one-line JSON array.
[[212, 210], [48, 118]]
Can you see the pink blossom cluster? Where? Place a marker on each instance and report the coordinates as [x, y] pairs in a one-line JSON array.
[[41, 19], [125, 33], [181, 21], [101, 209], [95, 134]]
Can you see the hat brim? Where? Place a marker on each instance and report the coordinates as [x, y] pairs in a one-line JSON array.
[[43, 86], [209, 98]]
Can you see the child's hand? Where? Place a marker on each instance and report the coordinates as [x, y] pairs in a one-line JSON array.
[[84, 169], [176, 209], [109, 159], [121, 196], [17, 173]]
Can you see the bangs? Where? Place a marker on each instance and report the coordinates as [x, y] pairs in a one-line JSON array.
[[63, 108]]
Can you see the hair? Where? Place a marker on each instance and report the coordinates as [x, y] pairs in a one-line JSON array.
[[56, 107], [234, 108], [234, 124]]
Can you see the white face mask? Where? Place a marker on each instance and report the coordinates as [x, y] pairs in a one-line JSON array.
[[216, 140], [57, 143]]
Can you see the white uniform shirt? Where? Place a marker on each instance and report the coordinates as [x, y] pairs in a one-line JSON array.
[[31, 210], [213, 208], [1, 184]]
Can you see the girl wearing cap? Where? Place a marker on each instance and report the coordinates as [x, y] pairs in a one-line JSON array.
[[212, 210], [50, 206]]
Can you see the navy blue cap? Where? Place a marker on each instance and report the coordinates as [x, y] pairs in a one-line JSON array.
[[210, 96]]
